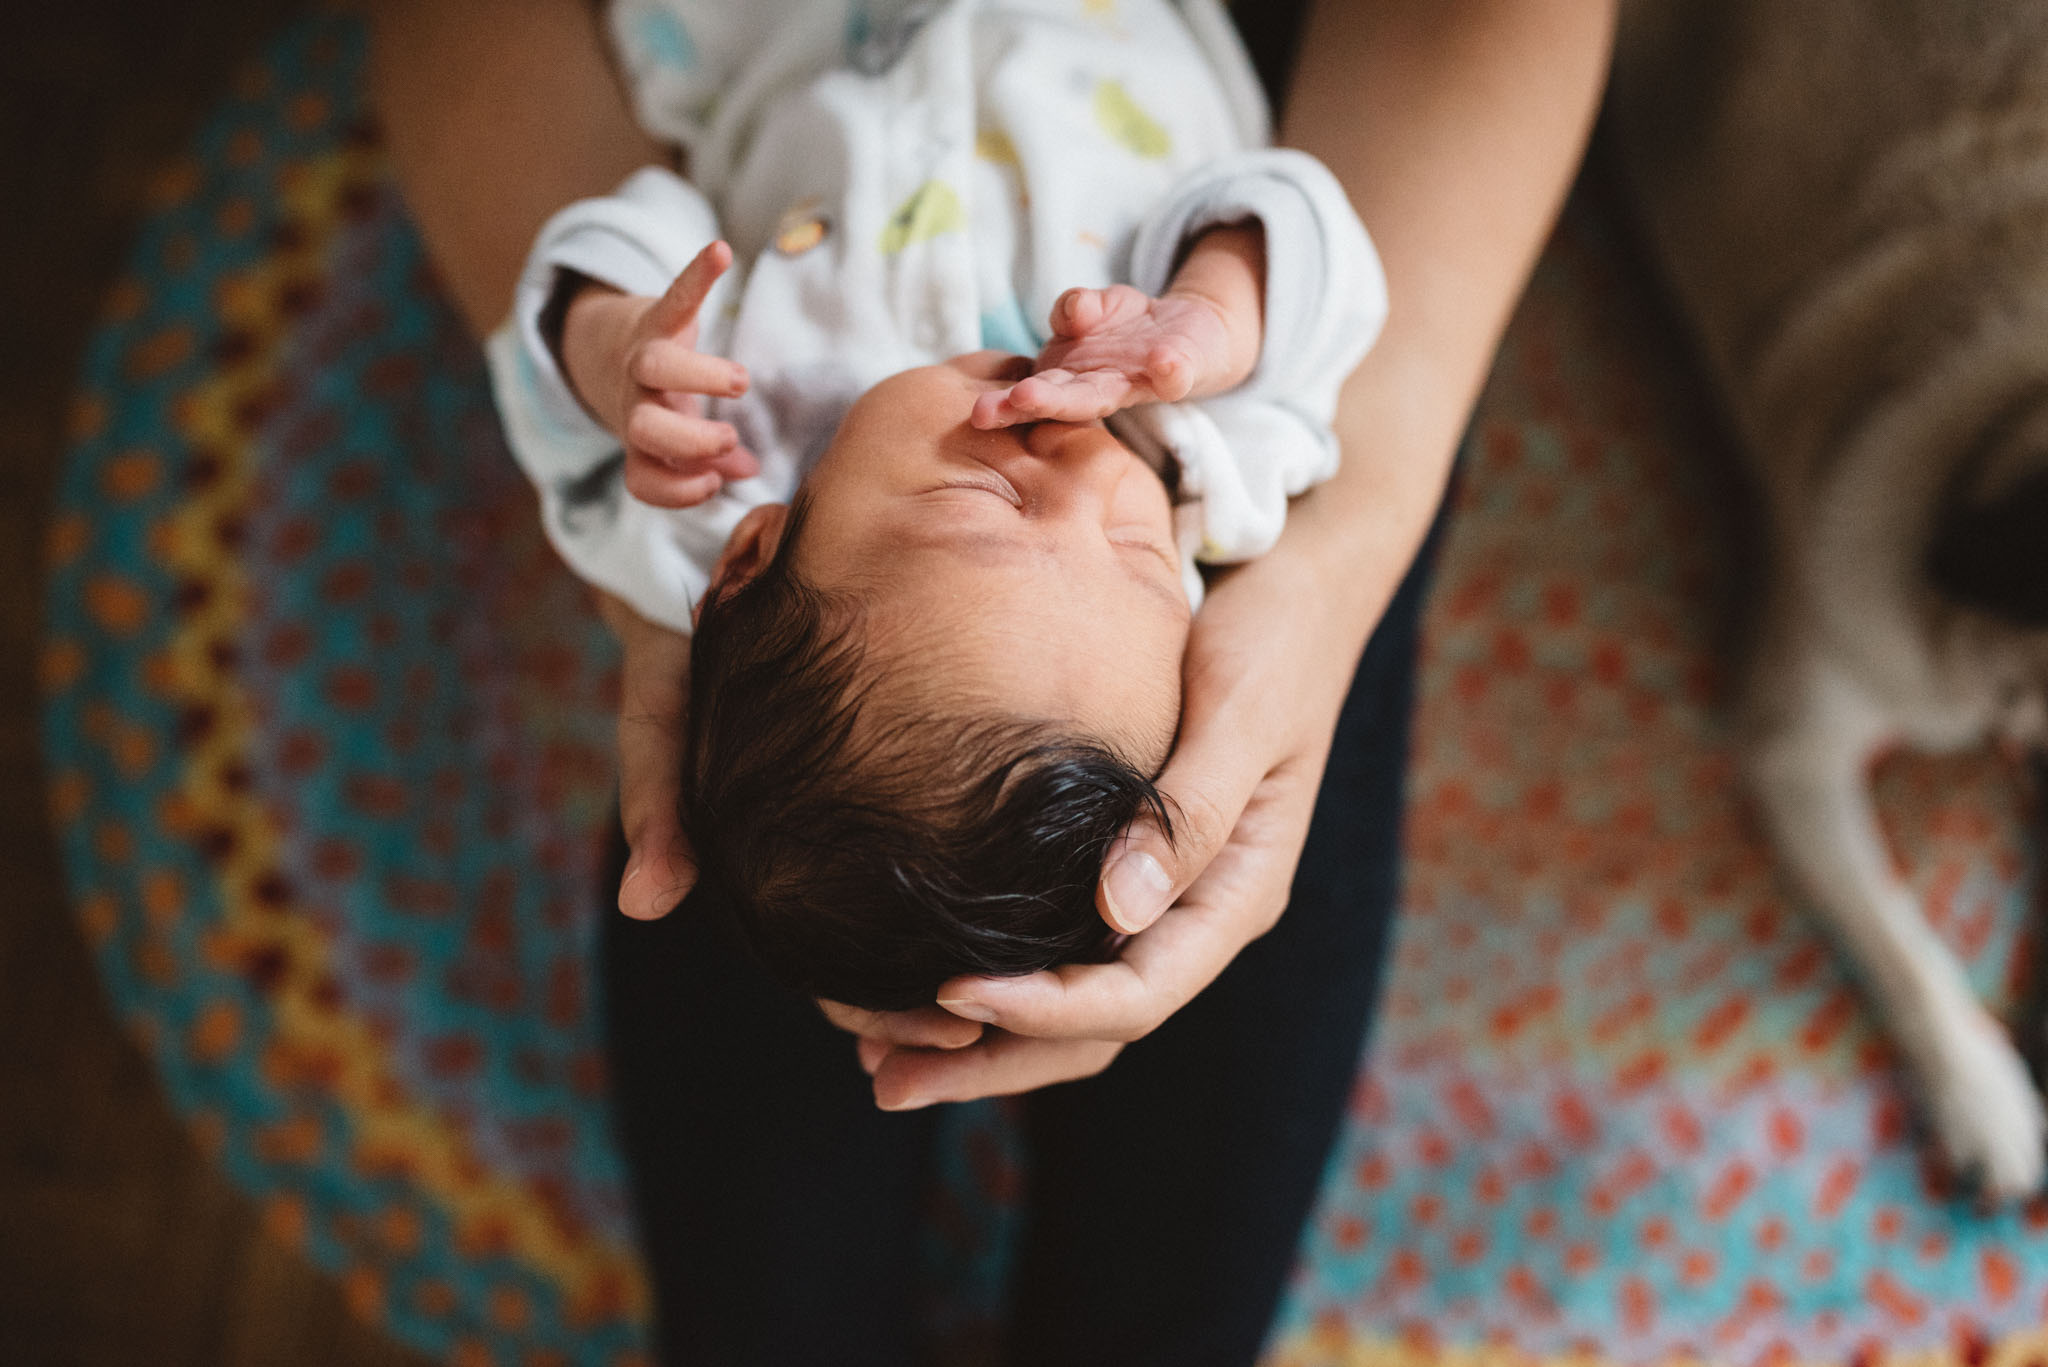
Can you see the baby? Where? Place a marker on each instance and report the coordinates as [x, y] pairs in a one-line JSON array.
[[939, 604]]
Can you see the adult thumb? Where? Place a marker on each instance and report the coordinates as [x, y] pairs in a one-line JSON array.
[[1205, 787], [654, 691], [660, 871]]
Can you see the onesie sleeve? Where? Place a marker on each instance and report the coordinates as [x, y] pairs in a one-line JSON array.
[[637, 239], [1243, 454]]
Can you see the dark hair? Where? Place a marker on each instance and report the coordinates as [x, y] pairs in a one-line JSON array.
[[867, 849]]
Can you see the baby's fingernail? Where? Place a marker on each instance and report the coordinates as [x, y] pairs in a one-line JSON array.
[[1137, 890], [739, 379], [970, 1009]]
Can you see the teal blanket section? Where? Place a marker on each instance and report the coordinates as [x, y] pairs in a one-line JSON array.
[[330, 744], [330, 735], [336, 742]]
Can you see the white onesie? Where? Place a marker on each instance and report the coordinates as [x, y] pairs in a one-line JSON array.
[[906, 180]]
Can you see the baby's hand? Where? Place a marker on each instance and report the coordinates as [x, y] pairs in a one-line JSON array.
[[1116, 347], [1110, 349], [647, 388]]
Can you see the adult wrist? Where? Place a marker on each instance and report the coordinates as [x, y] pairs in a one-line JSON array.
[[1355, 535]]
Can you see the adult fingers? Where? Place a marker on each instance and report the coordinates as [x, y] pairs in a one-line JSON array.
[[1155, 975], [1207, 783], [999, 1065], [1240, 894], [666, 364], [678, 305], [870, 1052], [926, 1027], [654, 690]]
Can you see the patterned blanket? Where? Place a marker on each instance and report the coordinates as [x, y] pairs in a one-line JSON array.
[[329, 748]]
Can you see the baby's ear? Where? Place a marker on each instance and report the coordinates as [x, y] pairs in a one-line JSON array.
[[749, 550]]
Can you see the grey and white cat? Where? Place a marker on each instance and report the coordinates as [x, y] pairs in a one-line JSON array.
[[1849, 199]]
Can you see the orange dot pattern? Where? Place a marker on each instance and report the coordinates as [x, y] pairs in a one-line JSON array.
[[328, 753]]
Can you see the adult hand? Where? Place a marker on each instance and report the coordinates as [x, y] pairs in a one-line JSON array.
[[654, 689], [1267, 671], [1456, 129]]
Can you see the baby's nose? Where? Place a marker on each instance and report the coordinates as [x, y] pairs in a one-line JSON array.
[[1079, 459]]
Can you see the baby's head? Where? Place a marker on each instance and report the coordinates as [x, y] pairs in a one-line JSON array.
[[928, 695]]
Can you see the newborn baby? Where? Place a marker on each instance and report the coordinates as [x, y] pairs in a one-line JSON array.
[[939, 605]]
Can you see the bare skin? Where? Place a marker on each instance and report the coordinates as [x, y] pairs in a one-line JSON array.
[[996, 532], [1456, 129], [634, 364], [1455, 125], [1112, 348]]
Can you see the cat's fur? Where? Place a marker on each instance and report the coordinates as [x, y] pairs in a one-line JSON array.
[[1849, 199]]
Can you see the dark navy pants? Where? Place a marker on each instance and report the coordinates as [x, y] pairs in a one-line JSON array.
[[781, 1211]]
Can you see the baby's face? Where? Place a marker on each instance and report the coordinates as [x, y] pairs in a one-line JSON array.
[[1032, 568]]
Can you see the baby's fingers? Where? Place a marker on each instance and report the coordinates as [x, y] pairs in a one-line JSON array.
[[659, 486], [1060, 395], [678, 305], [1079, 312], [1170, 373], [1076, 313], [993, 410], [664, 364], [677, 439], [674, 460], [1008, 407], [685, 486]]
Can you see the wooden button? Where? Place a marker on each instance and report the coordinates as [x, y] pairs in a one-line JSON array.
[[801, 229]]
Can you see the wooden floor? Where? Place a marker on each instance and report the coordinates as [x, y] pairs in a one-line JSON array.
[[118, 1245]]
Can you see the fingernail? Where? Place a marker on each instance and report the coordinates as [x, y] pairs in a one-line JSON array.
[[903, 1103], [1136, 888], [969, 1009], [673, 897]]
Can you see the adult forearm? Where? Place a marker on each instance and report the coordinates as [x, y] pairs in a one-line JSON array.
[[1456, 126], [496, 114]]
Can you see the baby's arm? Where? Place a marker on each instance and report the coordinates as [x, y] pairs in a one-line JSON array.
[[1115, 347], [636, 242], [632, 362], [1263, 437]]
